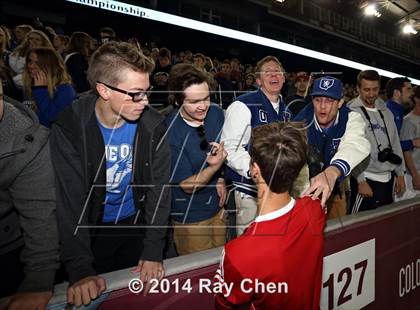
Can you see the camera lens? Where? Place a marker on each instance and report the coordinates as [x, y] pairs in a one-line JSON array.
[[388, 155], [394, 159]]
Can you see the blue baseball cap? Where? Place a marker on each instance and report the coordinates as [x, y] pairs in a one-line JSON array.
[[327, 86]]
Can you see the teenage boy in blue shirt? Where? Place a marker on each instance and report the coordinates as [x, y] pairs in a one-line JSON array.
[[199, 192], [112, 163]]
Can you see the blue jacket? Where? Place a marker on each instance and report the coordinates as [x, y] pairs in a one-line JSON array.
[[398, 112], [49, 108], [326, 141]]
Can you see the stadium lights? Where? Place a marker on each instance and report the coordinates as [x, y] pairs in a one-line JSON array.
[[371, 10], [137, 11], [408, 28]]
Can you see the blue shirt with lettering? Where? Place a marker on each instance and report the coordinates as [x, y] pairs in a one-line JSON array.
[[119, 142]]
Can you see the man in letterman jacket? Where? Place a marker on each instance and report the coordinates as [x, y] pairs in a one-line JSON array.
[[256, 108], [337, 139], [251, 110]]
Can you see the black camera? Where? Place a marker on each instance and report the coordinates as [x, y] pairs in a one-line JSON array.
[[315, 161], [388, 155]]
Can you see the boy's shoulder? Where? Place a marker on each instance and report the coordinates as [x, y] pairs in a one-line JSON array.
[[305, 210], [312, 212], [264, 239]]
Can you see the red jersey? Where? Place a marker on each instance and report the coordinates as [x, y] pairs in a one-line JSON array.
[[277, 262]]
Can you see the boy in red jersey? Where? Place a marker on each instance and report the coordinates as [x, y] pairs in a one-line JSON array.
[[277, 262]]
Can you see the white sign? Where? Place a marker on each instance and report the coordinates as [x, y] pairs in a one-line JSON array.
[[348, 279], [134, 10]]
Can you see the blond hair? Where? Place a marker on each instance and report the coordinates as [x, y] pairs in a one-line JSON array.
[[264, 61], [25, 28], [111, 59], [23, 48]]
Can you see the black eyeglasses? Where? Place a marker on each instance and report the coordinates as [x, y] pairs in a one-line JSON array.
[[135, 96], [203, 141]]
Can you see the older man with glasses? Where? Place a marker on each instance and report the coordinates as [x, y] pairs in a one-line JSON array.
[[198, 194], [112, 163]]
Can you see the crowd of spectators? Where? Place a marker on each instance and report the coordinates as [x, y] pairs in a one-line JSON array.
[[228, 77]]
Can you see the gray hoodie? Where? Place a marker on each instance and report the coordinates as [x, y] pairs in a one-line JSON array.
[[371, 164], [27, 196]]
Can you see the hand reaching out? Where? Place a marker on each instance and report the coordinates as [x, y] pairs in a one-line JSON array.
[[323, 184]]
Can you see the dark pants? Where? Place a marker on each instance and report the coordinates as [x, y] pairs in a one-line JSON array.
[[170, 248], [230, 209], [12, 272], [382, 195], [117, 248]]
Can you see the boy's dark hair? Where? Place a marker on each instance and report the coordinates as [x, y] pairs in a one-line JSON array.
[[110, 60], [416, 94], [395, 84], [280, 150], [370, 75], [80, 42], [181, 77], [164, 52]]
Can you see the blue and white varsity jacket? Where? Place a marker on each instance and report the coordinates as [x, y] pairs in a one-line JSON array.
[[248, 111], [343, 145]]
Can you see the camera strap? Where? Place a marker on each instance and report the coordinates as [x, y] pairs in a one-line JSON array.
[[386, 129], [371, 126]]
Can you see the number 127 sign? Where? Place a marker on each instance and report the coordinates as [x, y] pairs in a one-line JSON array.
[[349, 277]]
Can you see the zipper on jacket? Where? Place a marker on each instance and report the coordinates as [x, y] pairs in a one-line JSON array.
[[134, 154], [139, 210]]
